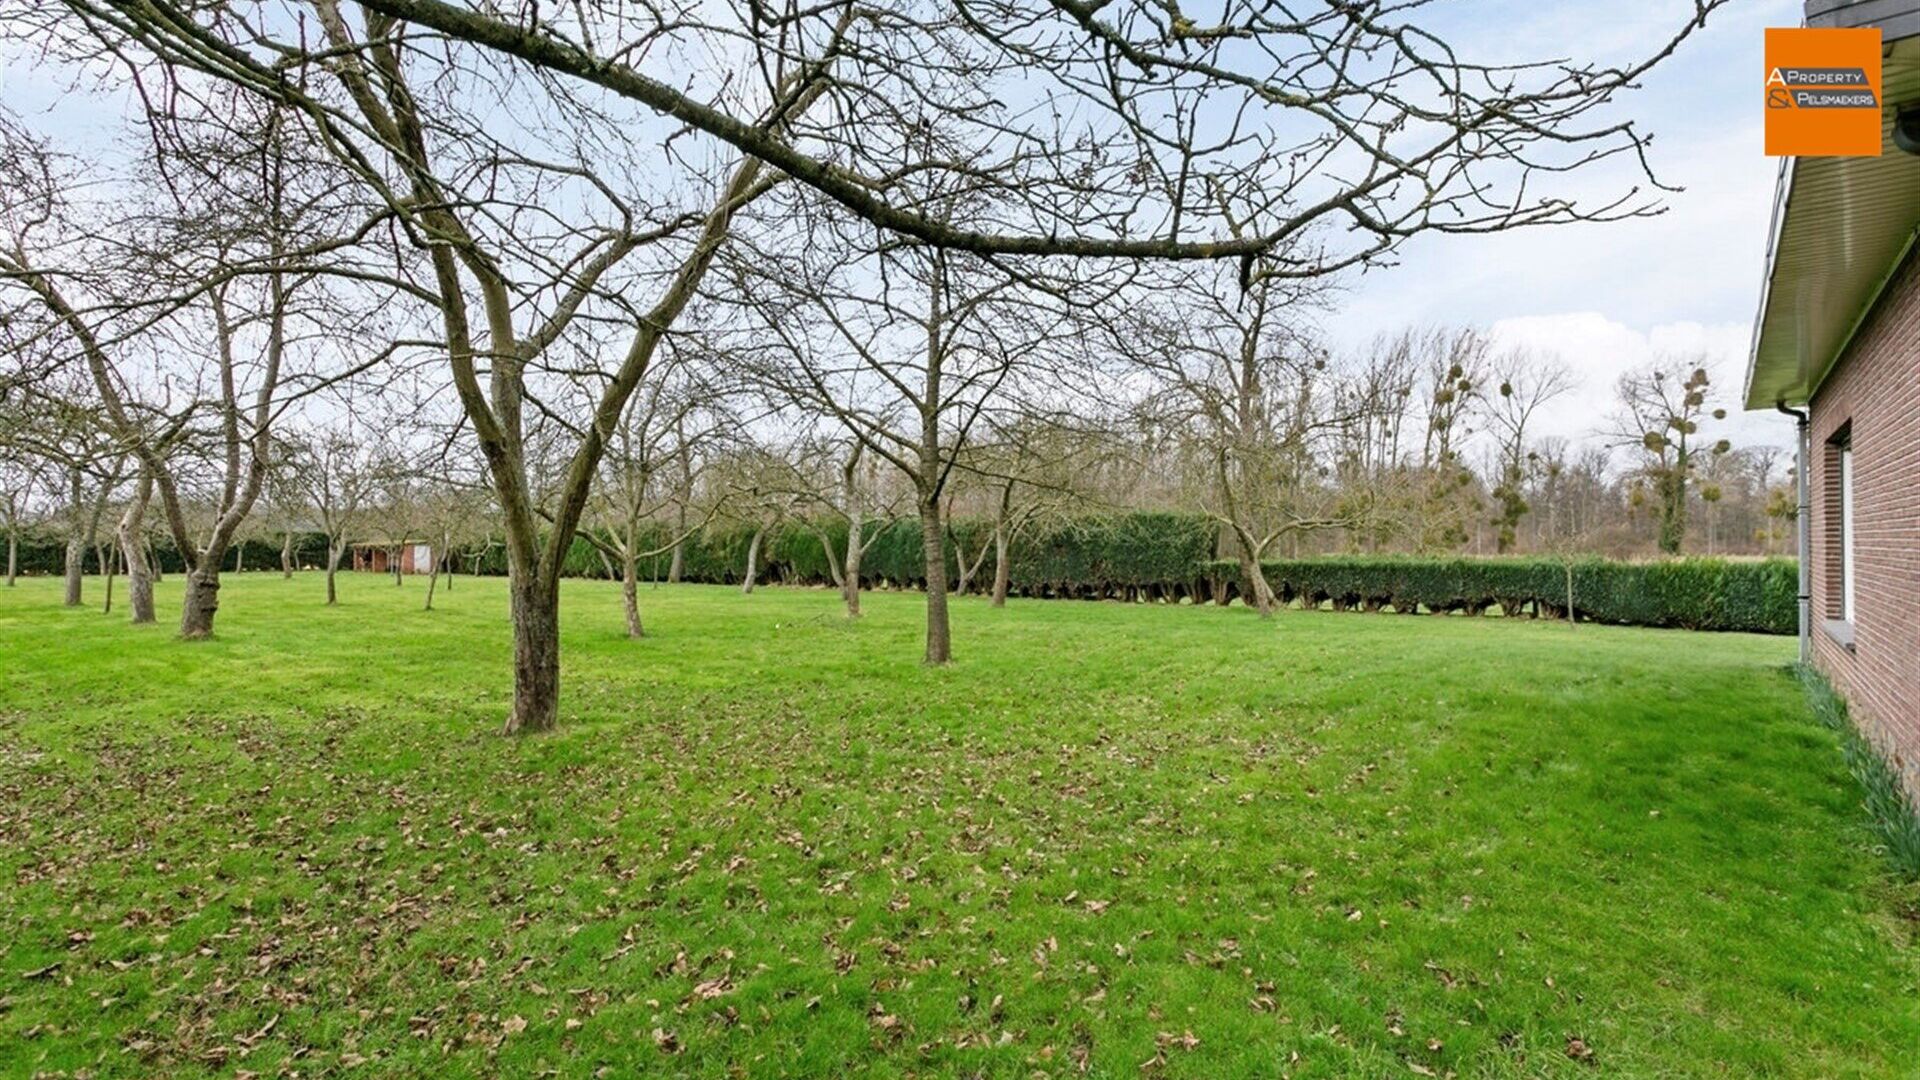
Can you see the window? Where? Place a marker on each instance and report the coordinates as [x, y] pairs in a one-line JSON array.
[[1847, 576], [1841, 592]]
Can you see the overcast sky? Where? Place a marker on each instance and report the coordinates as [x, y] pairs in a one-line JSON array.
[[1609, 297], [1604, 297]]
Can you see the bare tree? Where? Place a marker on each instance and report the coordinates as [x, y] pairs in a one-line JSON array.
[[237, 198], [19, 482], [1031, 472], [648, 473], [1661, 409], [59, 425], [1526, 383], [766, 491], [906, 347], [1244, 382], [336, 473], [847, 486]]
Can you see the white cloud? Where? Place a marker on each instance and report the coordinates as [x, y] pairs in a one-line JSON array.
[[1598, 349], [1610, 297]]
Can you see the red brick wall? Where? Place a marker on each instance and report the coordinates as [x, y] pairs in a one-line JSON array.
[[1876, 391]]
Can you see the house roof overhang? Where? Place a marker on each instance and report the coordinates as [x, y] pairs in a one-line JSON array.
[[1841, 226]]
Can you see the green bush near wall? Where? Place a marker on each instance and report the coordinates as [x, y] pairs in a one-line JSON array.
[[1694, 594]]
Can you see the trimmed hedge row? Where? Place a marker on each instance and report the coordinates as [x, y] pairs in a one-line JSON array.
[[44, 555], [1158, 556], [1693, 594]]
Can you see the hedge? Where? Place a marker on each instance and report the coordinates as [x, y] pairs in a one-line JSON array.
[[41, 554], [1158, 556], [1124, 556], [1694, 594]]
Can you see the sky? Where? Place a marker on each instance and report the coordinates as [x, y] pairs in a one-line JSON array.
[[1606, 298]]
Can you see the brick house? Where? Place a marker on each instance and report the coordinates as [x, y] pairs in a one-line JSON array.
[[1837, 342]]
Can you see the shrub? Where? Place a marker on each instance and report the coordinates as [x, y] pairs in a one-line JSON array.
[[1162, 555], [44, 551], [1694, 594]]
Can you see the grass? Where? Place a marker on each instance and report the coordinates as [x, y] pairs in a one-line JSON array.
[[1114, 840], [1884, 793]]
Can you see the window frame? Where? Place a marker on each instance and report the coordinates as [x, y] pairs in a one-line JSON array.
[[1849, 562], [1840, 555]]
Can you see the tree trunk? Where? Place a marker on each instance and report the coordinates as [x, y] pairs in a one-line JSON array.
[[433, 582], [939, 631], [753, 561], [202, 600], [76, 560], [286, 555], [13, 556], [107, 565], [850, 577], [535, 604], [133, 547], [239, 556], [679, 563], [630, 596], [1002, 571], [1257, 583], [394, 561], [1573, 618], [335, 549], [960, 561], [76, 545]]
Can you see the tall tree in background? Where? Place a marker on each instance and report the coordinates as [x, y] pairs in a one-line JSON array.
[[1456, 365], [1526, 383], [1661, 409]]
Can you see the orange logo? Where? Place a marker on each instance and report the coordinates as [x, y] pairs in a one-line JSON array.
[[1823, 93]]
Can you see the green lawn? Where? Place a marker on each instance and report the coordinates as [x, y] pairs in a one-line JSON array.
[[1112, 840]]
